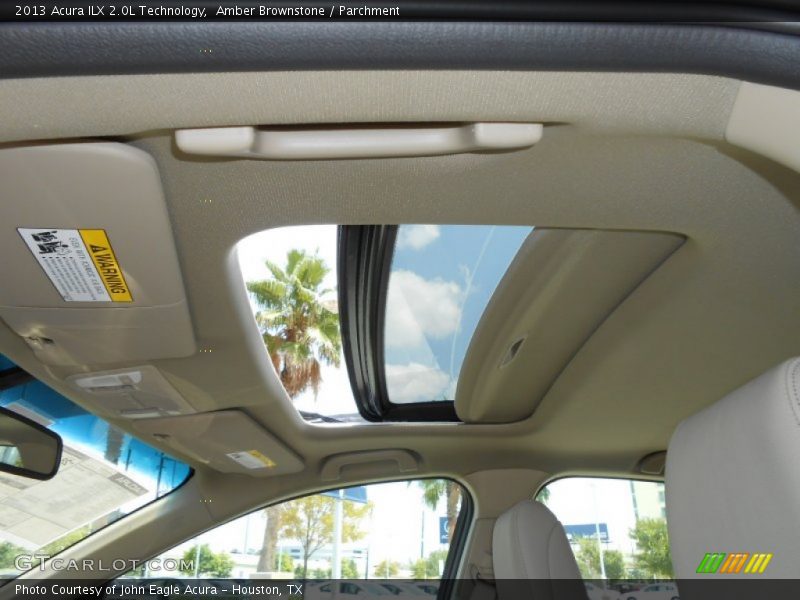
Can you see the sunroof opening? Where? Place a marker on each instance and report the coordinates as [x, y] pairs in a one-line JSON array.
[[442, 277], [397, 337]]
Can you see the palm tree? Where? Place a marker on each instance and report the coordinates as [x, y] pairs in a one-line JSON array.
[[299, 328], [433, 490], [301, 332], [114, 440]]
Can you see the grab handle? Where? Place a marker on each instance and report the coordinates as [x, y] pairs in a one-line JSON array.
[[365, 142]]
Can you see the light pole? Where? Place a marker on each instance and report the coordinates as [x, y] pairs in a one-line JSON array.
[[597, 532], [336, 568], [422, 536], [197, 559]]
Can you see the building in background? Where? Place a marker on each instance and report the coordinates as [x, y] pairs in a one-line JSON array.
[[648, 500]]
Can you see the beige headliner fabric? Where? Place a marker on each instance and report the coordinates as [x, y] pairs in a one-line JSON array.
[[720, 310], [674, 104]]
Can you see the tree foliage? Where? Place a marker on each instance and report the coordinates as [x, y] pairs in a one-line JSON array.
[[652, 548], [588, 559], [216, 564], [310, 521], [387, 568], [8, 554], [299, 329], [284, 563], [433, 490], [65, 541], [349, 569], [430, 567]]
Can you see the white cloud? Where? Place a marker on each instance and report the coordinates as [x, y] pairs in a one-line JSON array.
[[415, 383], [417, 307], [416, 237]]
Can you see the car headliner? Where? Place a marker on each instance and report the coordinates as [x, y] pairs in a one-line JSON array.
[[620, 151]]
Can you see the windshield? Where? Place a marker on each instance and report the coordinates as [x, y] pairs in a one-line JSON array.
[[105, 474]]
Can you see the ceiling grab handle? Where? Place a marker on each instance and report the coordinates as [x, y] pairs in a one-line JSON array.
[[362, 142]]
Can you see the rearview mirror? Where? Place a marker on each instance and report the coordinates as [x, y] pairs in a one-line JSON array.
[[27, 448]]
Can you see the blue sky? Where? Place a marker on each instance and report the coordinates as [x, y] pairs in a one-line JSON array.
[[87, 432], [443, 276]]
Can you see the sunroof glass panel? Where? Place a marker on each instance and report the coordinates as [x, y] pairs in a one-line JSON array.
[[442, 277]]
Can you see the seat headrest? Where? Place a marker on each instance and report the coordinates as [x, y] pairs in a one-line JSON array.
[[532, 557], [733, 478]]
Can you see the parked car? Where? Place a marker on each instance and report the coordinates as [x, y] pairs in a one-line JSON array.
[[596, 592], [654, 591]]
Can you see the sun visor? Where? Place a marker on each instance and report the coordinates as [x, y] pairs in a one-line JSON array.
[[90, 272], [228, 441], [558, 290]]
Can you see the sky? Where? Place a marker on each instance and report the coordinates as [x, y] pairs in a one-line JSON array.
[[582, 500], [441, 282]]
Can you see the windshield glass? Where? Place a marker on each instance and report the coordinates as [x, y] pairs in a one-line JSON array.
[[104, 475], [442, 278]]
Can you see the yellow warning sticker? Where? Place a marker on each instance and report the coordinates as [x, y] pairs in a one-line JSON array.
[[266, 460], [96, 242], [80, 263], [252, 459]]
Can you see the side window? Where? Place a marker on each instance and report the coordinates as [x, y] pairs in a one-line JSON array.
[[398, 531], [617, 528]]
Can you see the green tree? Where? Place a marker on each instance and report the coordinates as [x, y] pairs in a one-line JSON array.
[[588, 559], [652, 548], [301, 332], [65, 541], [430, 567], [309, 520], [319, 574], [216, 564], [432, 492], [286, 563], [8, 554], [349, 569], [435, 562], [419, 569], [544, 495], [387, 568], [299, 329]]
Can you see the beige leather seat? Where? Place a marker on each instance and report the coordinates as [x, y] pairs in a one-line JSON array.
[[532, 557], [733, 478]]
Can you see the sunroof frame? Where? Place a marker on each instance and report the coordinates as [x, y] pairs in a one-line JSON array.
[[364, 256]]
